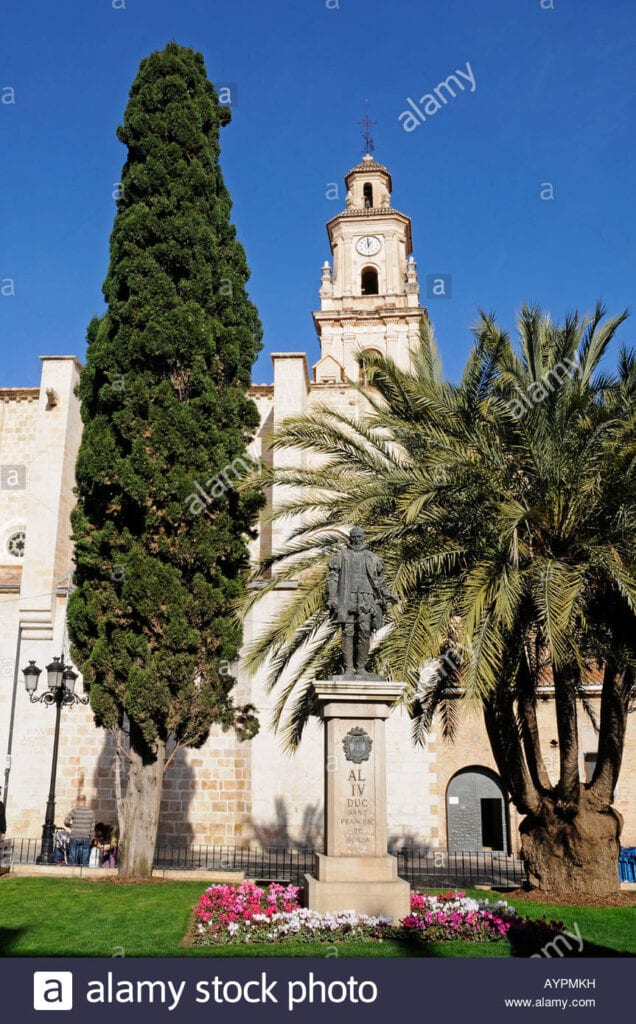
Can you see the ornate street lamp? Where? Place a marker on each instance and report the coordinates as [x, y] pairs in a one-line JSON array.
[[61, 692]]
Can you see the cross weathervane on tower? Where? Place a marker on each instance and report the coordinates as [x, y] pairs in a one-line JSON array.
[[366, 133]]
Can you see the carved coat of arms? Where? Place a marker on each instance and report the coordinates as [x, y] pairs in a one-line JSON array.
[[357, 745]]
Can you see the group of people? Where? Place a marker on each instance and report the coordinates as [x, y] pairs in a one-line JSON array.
[[86, 843], [89, 844]]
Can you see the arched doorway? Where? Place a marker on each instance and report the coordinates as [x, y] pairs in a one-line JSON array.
[[476, 812]]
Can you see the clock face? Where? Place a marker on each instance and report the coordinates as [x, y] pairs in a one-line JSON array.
[[369, 245]]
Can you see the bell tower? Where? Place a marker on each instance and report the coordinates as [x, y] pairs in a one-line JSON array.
[[369, 294]]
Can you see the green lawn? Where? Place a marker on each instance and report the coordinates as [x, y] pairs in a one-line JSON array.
[[69, 917]]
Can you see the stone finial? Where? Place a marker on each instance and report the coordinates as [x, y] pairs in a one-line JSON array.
[[411, 276], [326, 286]]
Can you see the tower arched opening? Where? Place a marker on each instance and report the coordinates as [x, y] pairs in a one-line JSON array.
[[369, 281]]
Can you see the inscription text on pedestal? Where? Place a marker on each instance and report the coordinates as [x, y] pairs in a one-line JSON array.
[[357, 792]]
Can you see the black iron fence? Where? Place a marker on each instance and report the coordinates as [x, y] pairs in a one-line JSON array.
[[265, 864], [19, 851], [430, 868], [438, 868]]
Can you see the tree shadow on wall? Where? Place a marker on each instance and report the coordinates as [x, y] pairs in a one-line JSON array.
[[178, 787], [175, 830], [276, 832], [105, 803]]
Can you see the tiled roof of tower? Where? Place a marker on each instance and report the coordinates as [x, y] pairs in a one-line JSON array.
[[370, 211], [368, 165]]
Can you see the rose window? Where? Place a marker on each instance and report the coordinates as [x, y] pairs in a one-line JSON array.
[[15, 544]]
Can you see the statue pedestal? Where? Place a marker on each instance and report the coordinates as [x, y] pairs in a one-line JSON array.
[[356, 872]]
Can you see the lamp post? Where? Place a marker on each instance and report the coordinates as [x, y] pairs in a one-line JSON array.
[[61, 692]]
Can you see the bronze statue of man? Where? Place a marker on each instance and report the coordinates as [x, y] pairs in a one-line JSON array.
[[358, 597]]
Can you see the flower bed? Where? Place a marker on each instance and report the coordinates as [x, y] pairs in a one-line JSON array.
[[247, 913], [452, 915]]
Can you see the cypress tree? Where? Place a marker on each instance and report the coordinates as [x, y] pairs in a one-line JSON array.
[[160, 533]]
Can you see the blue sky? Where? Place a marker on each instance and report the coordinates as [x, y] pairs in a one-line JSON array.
[[553, 103]]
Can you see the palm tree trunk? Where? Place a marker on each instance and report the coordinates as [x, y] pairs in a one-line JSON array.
[[508, 753], [571, 846], [569, 838], [566, 720], [527, 710], [617, 685], [573, 854]]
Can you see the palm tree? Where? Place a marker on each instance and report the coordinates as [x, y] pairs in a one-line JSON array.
[[503, 507]]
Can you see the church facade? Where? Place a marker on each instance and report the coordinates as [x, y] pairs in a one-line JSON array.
[[442, 796]]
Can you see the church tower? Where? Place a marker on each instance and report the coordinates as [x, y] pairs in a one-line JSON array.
[[369, 295]]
